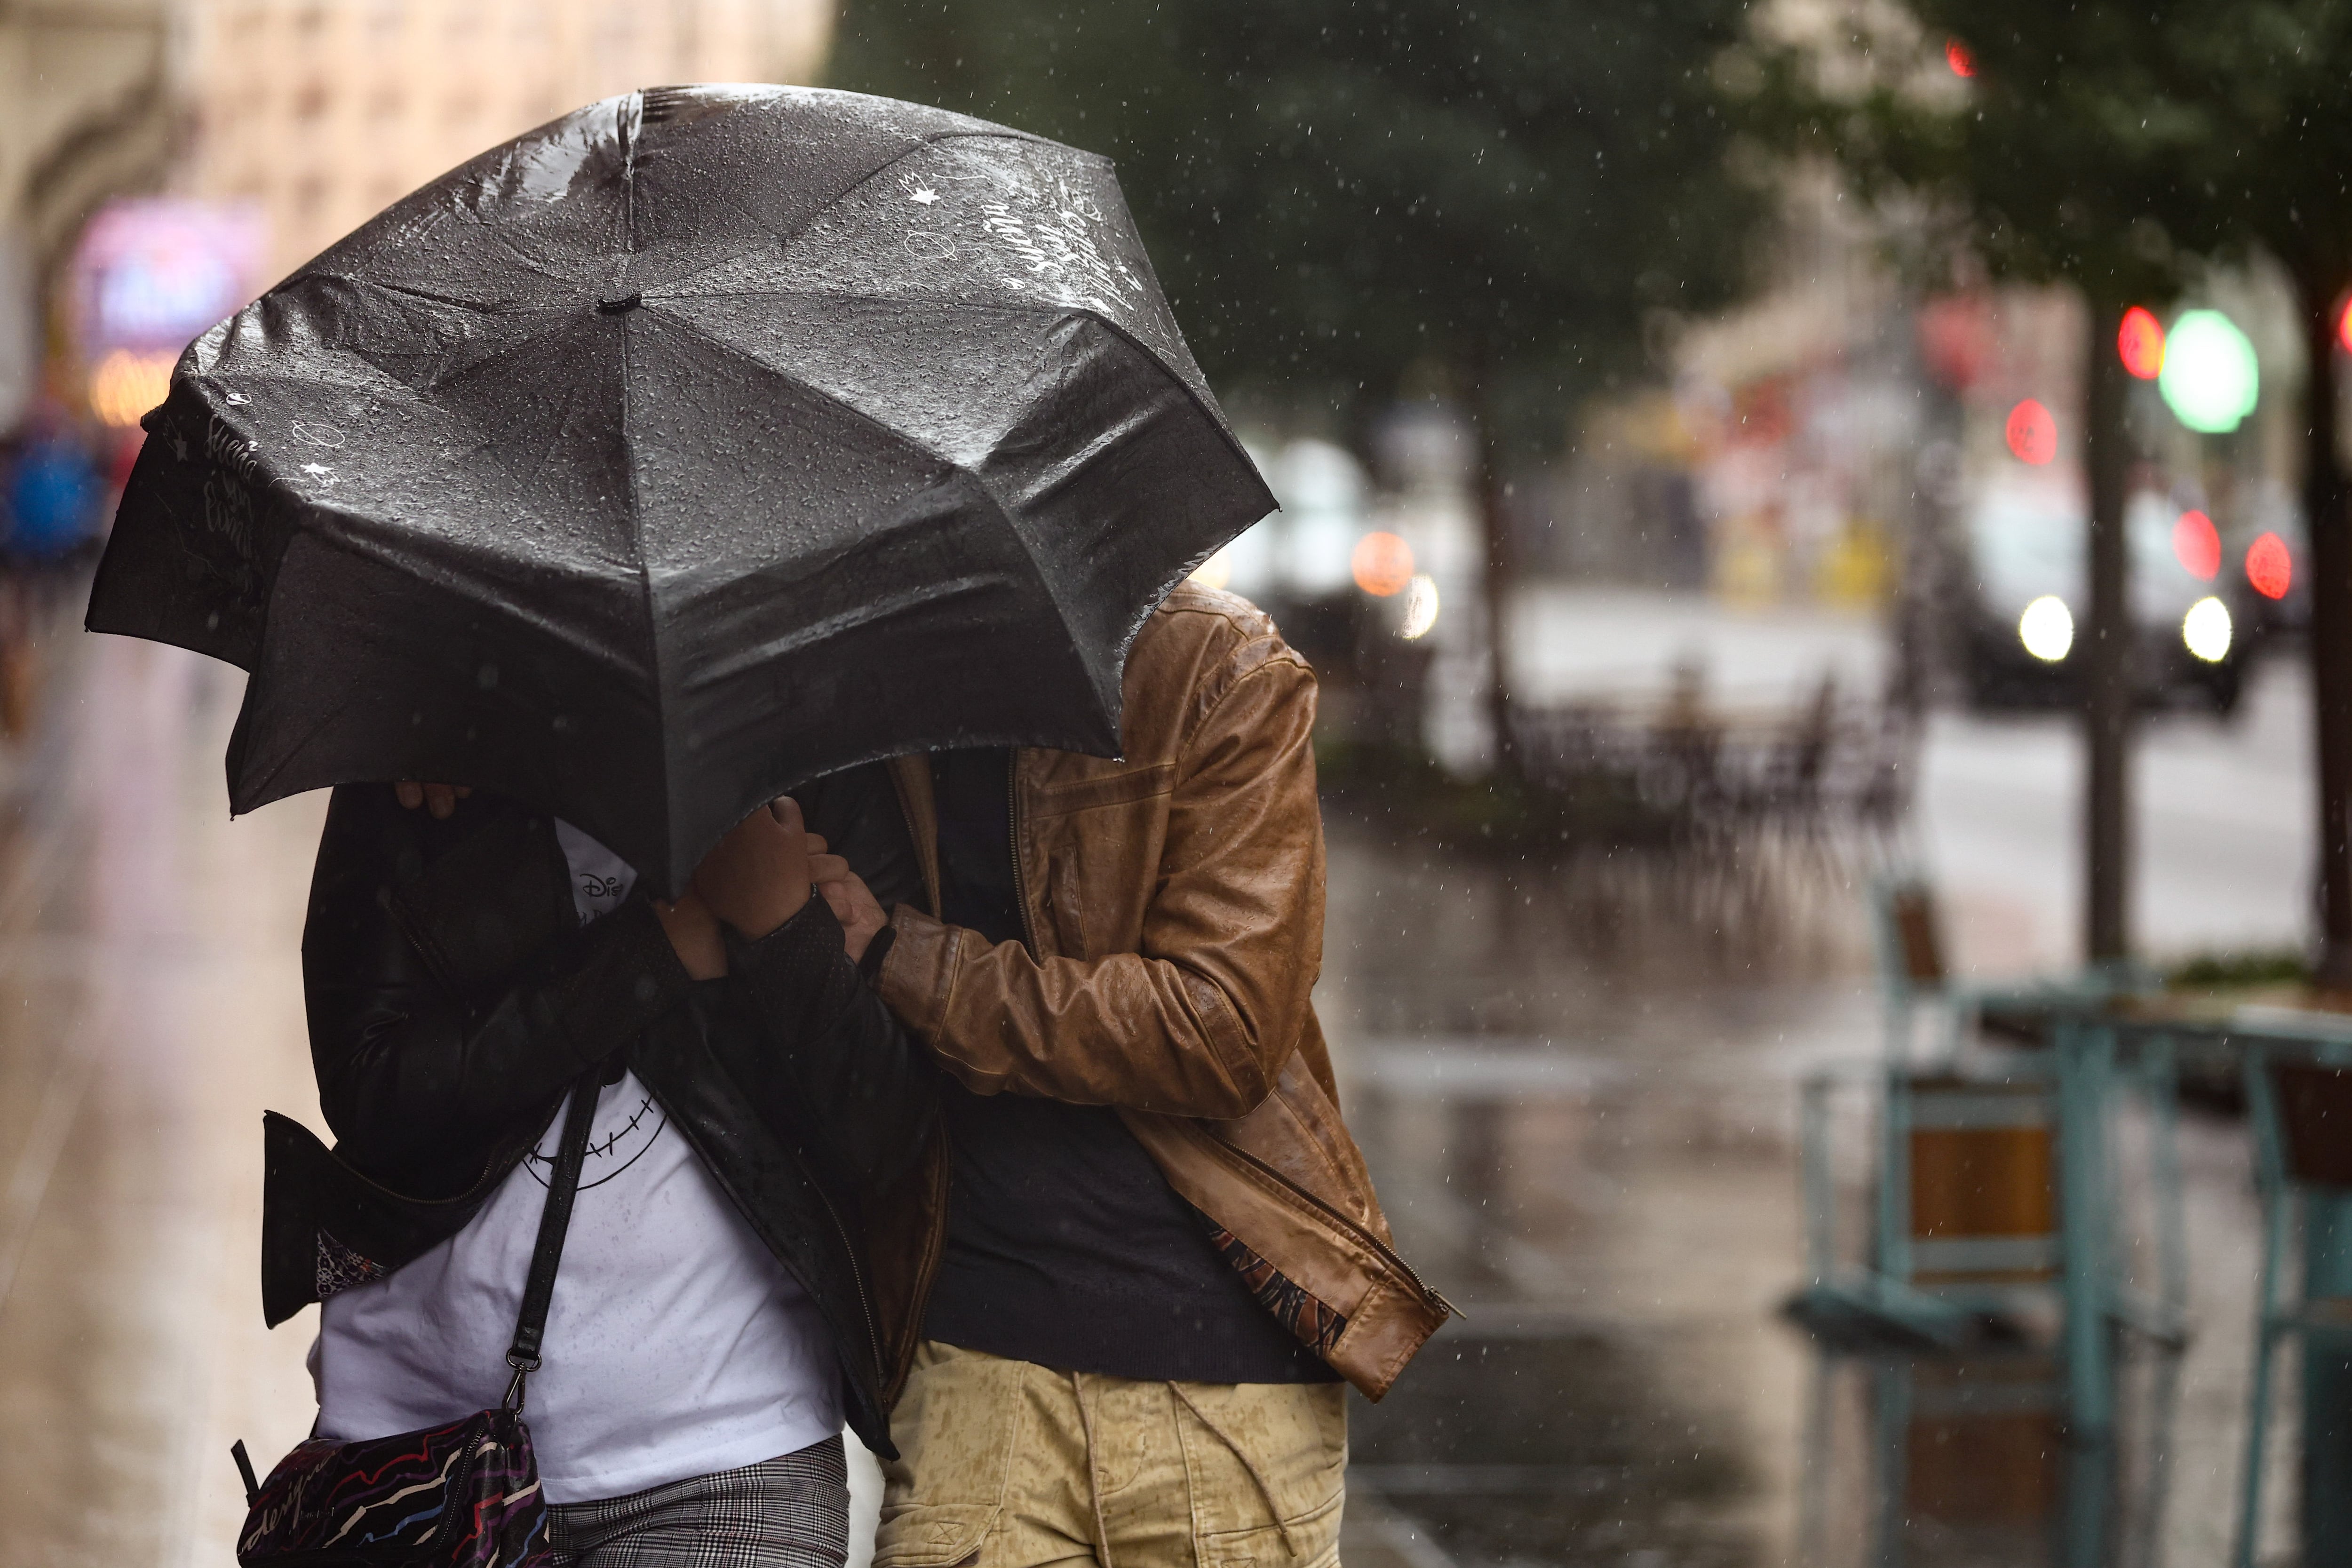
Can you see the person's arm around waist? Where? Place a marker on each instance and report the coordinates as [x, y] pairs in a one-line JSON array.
[[1199, 1021]]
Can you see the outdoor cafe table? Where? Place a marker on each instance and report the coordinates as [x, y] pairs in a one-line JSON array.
[[2092, 1039]]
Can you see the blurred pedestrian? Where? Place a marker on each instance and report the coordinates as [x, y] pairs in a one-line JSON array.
[[1113, 962], [54, 490], [708, 1328], [51, 511]]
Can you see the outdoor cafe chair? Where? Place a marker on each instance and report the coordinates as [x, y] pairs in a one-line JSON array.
[[2299, 1105], [1979, 1207]]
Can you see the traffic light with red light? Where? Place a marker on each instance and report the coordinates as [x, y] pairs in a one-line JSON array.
[[2140, 343]]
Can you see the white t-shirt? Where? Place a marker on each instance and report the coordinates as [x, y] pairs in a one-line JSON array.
[[675, 1345]]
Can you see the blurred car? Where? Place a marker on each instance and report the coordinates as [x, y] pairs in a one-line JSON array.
[[2201, 600]]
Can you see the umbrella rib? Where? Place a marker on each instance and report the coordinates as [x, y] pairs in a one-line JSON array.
[[1044, 579], [782, 238], [632, 130], [411, 291], [572, 399], [785, 236], [735, 352], [860, 296], [638, 547], [1214, 417]]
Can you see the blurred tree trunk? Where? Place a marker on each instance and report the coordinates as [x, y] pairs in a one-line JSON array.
[[1494, 524], [2108, 639], [2331, 630]]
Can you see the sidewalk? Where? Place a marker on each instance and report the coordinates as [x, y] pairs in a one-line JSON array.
[[149, 1009]]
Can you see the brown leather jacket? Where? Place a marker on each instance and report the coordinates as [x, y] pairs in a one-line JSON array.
[[1174, 905]]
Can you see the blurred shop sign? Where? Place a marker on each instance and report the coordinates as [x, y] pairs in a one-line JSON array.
[[150, 274]]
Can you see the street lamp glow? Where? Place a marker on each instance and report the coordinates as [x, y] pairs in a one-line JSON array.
[[2210, 380], [2047, 628], [1420, 606], [2206, 630]]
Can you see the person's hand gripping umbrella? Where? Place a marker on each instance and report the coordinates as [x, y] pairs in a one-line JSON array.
[[691, 446]]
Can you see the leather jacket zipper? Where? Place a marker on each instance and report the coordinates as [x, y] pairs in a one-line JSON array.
[[1013, 833], [1379, 1248], [927, 1272]]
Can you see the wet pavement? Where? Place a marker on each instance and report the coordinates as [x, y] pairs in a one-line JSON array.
[[149, 1007], [1576, 1083]]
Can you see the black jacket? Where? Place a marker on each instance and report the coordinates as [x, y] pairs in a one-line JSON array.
[[453, 997]]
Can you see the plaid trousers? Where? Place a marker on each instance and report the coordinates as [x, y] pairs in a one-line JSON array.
[[787, 1513]]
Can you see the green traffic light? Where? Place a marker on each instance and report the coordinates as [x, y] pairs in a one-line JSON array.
[[2209, 381]]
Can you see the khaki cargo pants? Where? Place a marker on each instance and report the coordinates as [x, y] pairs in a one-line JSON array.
[[1003, 1464]]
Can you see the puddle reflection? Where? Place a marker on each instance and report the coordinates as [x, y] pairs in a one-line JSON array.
[[1964, 1462]]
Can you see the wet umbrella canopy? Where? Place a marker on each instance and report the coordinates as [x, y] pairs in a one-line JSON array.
[[693, 446]]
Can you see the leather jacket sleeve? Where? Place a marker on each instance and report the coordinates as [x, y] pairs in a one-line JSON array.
[[425, 1062], [827, 1063], [1198, 1021]]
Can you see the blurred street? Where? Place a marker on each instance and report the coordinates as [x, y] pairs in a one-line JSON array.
[[2225, 824], [1576, 1085]]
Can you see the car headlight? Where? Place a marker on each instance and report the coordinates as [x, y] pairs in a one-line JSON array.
[[2046, 628], [1420, 606], [2206, 630]]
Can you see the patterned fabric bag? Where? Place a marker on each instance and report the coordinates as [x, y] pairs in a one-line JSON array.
[[461, 1496]]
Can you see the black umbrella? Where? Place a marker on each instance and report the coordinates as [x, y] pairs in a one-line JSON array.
[[693, 446]]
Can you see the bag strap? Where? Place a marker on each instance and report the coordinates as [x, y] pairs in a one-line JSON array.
[[562, 1186]]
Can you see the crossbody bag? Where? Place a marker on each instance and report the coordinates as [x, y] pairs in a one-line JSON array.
[[466, 1495]]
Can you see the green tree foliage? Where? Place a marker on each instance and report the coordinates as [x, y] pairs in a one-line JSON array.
[[1338, 191], [2118, 147], [2103, 143], [2075, 151]]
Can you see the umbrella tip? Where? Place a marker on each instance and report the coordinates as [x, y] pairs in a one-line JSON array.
[[614, 304]]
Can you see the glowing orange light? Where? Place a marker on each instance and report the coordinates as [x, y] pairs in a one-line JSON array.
[[2344, 325], [1382, 563], [2033, 433], [1957, 56], [2197, 544], [2269, 567], [2140, 342], [126, 385]]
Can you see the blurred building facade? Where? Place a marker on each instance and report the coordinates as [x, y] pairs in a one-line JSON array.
[[322, 111], [91, 115], [166, 160]]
